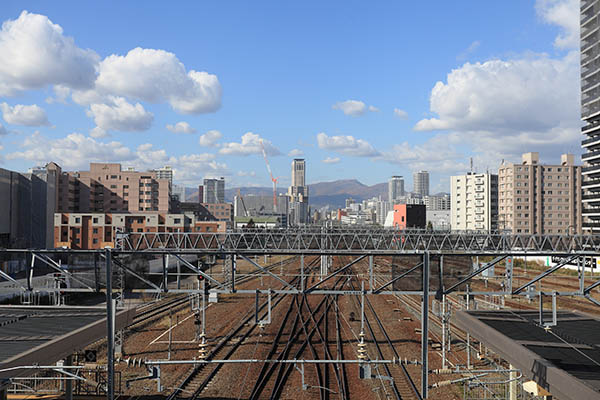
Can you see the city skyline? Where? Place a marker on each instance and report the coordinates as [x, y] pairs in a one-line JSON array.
[[404, 113]]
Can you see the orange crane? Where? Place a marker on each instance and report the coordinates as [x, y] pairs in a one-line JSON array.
[[274, 180]]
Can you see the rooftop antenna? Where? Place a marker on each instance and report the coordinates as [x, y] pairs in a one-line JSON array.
[[471, 164]]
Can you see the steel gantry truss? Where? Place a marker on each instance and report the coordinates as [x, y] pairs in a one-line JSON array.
[[358, 244], [353, 241]]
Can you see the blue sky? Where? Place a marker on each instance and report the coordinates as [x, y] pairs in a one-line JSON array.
[[362, 90]]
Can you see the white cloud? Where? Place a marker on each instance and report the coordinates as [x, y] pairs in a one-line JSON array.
[[119, 115], [193, 168], [565, 14], [210, 138], [296, 153], [76, 151], [3, 130], [61, 93], [250, 144], [347, 145], [354, 108], [156, 76], [35, 53], [331, 160], [246, 173], [71, 152], [32, 115], [98, 132], [508, 106], [181, 127], [400, 113], [437, 154]]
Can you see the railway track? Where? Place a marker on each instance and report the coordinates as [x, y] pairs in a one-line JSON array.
[[201, 376]]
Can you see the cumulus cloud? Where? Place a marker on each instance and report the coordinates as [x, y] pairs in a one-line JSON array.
[[181, 127], [295, 153], [120, 115], [250, 144], [210, 138], [193, 167], [331, 160], [73, 151], [76, 151], [61, 93], [35, 53], [564, 14], [436, 154], [98, 132], [354, 108], [347, 145], [32, 115], [510, 104], [156, 76], [400, 113]]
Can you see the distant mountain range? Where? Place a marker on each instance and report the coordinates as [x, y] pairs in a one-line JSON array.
[[333, 194]]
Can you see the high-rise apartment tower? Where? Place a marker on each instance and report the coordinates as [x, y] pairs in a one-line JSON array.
[[395, 188], [298, 193], [421, 183], [590, 113]]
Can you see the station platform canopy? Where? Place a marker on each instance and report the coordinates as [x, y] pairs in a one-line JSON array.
[[563, 359], [44, 335]]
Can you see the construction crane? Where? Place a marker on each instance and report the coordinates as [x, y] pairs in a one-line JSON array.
[[246, 213], [274, 180]]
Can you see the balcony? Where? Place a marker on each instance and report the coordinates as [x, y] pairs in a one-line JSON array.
[[592, 169], [590, 140], [592, 211], [589, 183], [588, 85], [590, 155]]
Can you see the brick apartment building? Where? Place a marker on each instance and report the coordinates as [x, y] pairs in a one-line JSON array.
[[85, 231], [540, 199], [108, 188]]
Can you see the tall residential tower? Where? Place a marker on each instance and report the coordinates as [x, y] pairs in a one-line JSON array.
[[395, 188], [590, 113], [421, 183], [298, 193]]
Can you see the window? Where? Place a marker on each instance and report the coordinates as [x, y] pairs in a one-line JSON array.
[[95, 220], [77, 220], [77, 230], [177, 220], [95, 241], [140, 229], [95, 230], [113, 186]]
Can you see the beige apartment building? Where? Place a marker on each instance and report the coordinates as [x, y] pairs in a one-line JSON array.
[[540, 199], [108, 188], [474, 202]]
